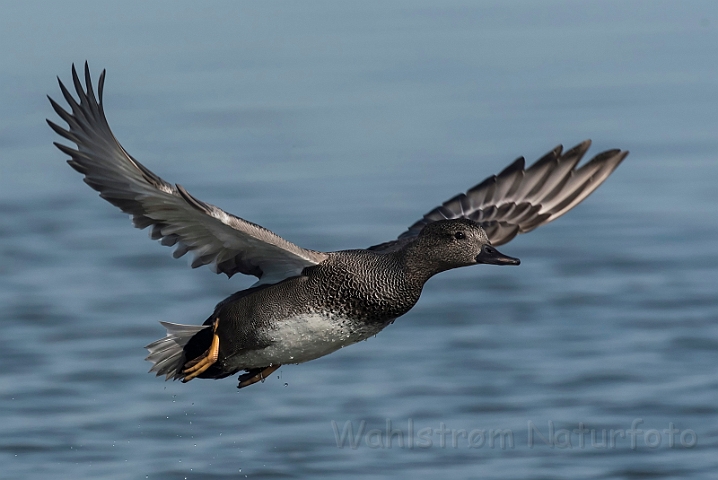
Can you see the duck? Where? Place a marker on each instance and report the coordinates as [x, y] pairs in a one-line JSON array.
[[305, 303]]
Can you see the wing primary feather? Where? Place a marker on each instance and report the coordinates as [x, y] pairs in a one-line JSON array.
[[100, 89], [230, 244], [89, 94], [520, 199], [509, 180], [78, 85], [62, 132], [69, 119], [198, 204]]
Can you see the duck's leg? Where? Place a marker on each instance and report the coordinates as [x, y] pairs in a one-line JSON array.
[[198, 365], [255, 375]]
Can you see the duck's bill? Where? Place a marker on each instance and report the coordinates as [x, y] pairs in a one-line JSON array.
[[491, 256]]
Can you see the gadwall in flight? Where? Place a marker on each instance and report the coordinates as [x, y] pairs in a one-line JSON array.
[[307, 304]]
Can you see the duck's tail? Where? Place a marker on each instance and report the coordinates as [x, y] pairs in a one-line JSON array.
[[168, 353]]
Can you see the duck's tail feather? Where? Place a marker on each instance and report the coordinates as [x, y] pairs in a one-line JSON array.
[[167, 354]]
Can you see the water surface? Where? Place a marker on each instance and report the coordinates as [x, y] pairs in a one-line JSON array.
[[337, 126]]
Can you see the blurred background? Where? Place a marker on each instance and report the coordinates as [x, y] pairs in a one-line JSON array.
[[337, 125]]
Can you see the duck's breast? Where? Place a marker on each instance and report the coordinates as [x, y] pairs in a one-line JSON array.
[[304, 337]]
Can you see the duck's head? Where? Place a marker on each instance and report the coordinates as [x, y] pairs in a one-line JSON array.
[[460, 242]]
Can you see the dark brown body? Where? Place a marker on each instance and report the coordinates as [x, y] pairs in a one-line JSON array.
[[363, 289]]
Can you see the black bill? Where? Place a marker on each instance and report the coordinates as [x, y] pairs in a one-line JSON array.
[[492, 256]]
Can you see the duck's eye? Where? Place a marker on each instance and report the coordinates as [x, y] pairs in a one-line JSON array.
[[460, 235]]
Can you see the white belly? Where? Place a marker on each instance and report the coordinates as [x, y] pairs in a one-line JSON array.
[[304, 338]]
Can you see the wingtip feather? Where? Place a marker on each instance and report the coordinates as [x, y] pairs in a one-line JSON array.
[[555, 178]]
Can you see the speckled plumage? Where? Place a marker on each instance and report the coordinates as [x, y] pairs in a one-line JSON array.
[[356, 292], [306, 303]]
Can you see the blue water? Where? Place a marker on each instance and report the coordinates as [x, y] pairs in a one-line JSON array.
[[337, 125]]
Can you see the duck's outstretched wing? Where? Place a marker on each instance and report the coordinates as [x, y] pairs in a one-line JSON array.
[[228, 243], [519, 199]]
